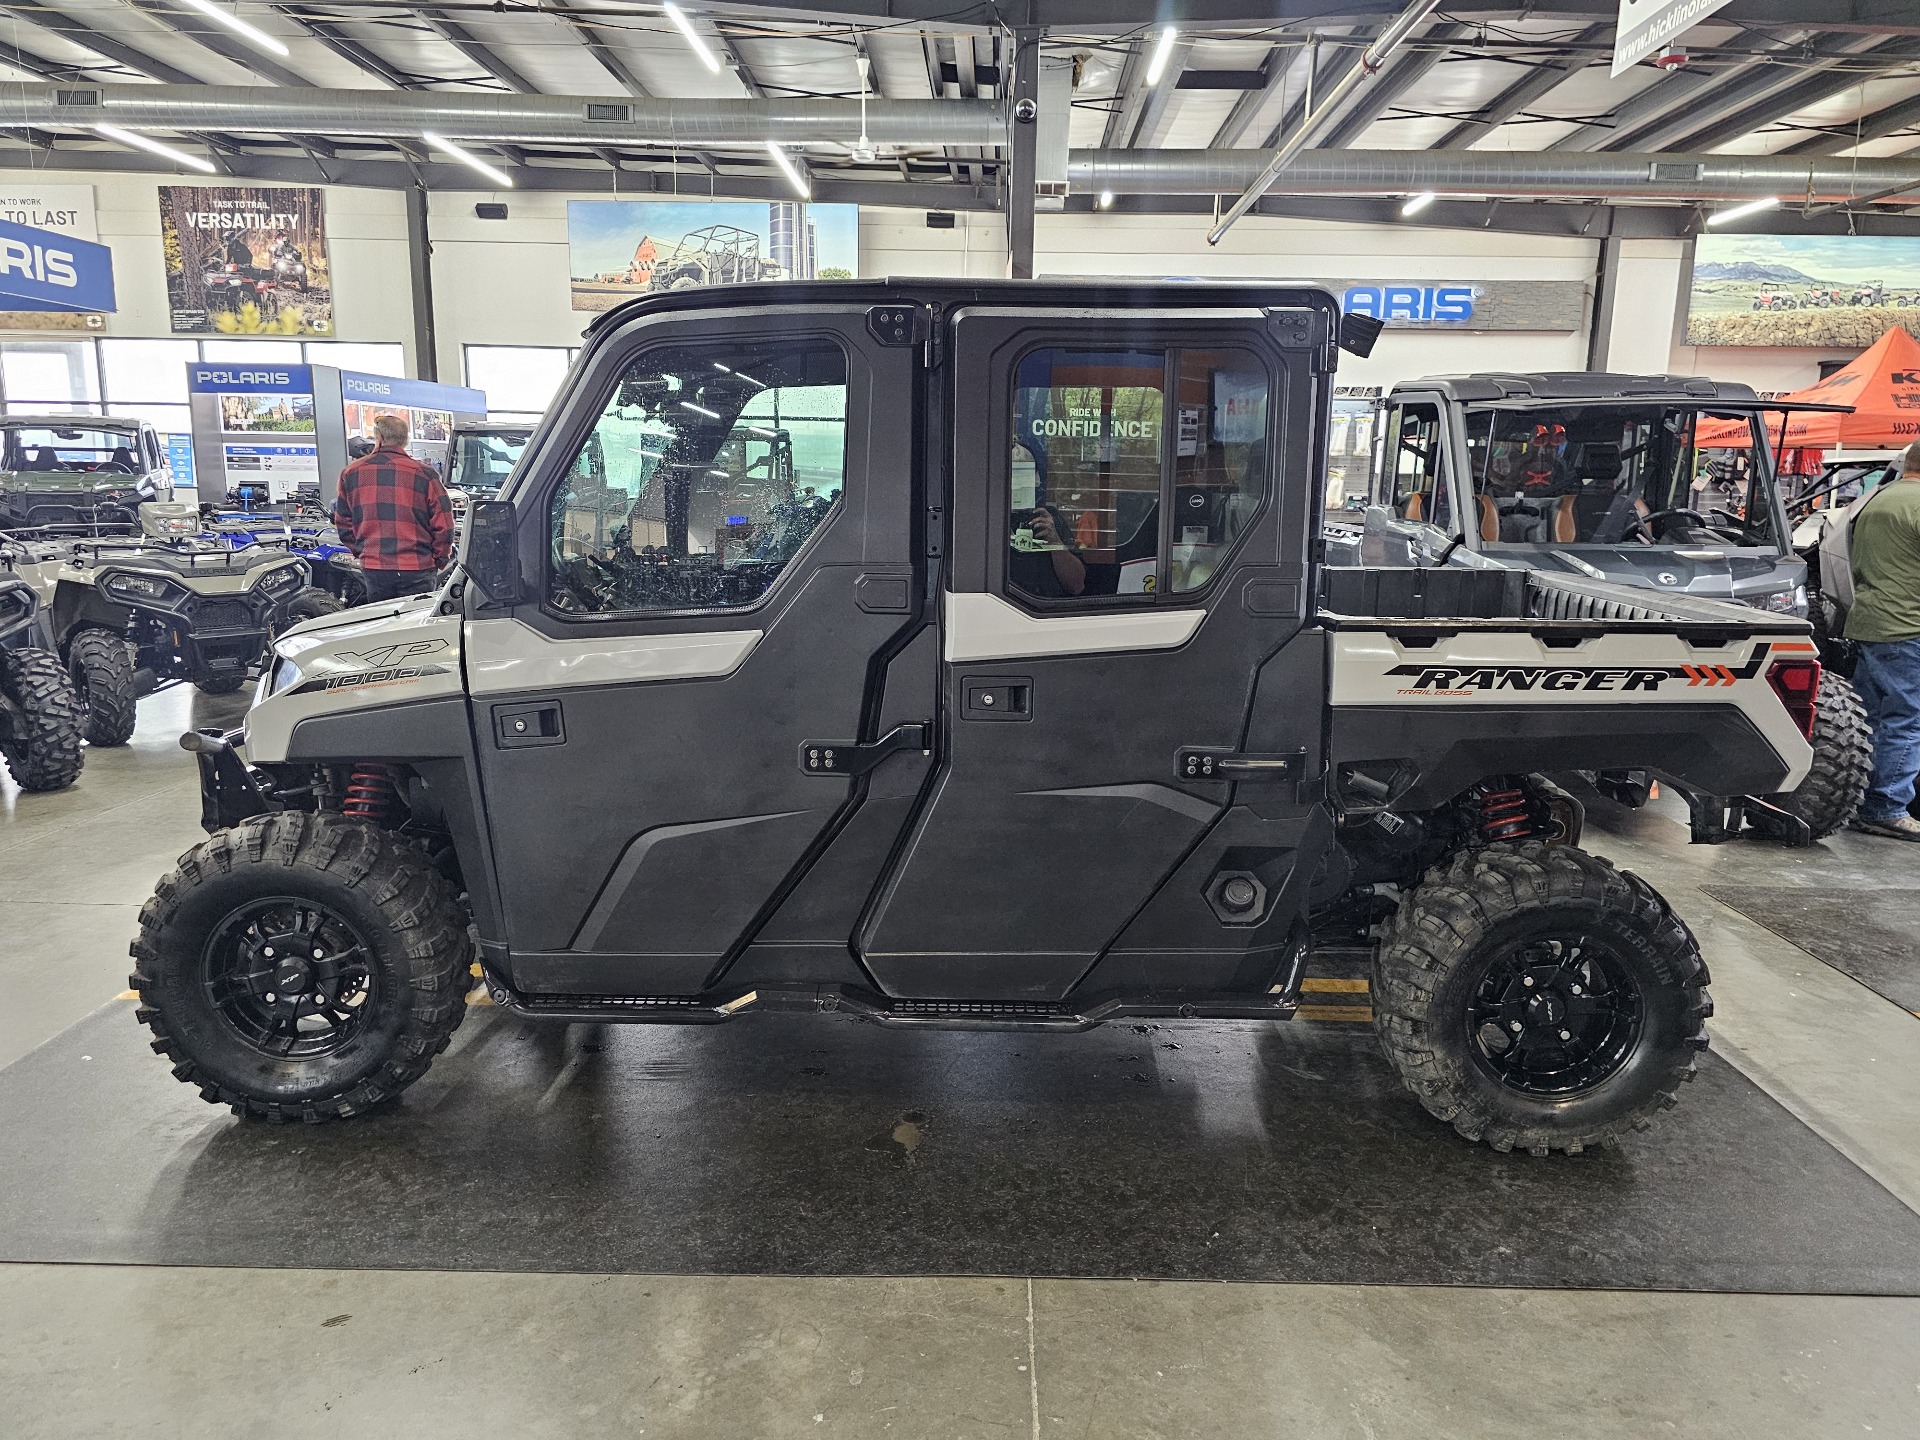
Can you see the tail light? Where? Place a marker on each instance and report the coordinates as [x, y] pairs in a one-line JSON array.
[[1797, 683]]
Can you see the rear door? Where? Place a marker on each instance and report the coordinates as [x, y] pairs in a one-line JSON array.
[[714, 541], [1132, 502]]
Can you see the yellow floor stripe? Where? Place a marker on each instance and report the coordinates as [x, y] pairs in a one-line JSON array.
[[1354, 1014], [1345, 987], [128, 995]]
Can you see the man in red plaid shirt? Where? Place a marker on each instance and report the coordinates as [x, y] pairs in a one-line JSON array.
[[394, 514]]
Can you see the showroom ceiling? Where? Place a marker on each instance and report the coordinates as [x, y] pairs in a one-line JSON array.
[[685, 101]]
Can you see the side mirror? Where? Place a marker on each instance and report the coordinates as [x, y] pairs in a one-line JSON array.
[[1358, 333], [491, 561]]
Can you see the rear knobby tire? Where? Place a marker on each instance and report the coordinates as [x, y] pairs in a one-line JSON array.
[[101, 664], [413, 943], [1448, 943], [304, 604], [44, 752], [1842, 766]]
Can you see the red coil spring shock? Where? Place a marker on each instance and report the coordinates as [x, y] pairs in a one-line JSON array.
[[372, 794], [1505, 815]]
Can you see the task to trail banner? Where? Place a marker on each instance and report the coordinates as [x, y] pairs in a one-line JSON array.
[[45, 269], [247, 260], [1648, 26]]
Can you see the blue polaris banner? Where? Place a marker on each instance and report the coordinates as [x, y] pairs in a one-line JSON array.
[[411, 394], [43, 269], [239, 377]]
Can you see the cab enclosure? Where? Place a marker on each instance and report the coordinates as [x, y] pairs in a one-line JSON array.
[[79, 472]]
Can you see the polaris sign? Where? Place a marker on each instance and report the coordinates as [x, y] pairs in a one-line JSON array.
[[45, 270], [1477, 305], [1439, 304]]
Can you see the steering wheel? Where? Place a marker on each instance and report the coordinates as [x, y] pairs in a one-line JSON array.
[[1645, 522], [113, 467]]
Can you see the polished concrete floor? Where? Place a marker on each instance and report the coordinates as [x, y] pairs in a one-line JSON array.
[[428, 1340]]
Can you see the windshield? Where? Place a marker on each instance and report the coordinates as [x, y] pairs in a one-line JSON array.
[[40, 447], [1614, 475], [481, 463]]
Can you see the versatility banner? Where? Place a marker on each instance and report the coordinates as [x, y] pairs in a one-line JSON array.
[[246, 260]]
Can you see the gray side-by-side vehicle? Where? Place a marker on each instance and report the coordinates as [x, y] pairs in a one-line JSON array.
[[959, 654]]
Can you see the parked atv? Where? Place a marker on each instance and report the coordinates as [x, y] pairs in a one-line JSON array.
[[39, 713], [136, 615], [942, 761], [1587, 474], [308, 533]]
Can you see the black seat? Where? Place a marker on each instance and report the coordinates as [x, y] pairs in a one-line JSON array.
[[44, 458], [122, 457], [1600, 510]]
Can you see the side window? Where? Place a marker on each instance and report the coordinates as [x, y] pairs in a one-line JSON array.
[[1416, 467], [706, 473], [1133, 472]]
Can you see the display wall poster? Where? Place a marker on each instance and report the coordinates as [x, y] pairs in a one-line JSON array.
[[247, 260], [1838, 292], [66, 210], [1469, 305], [622, 249]]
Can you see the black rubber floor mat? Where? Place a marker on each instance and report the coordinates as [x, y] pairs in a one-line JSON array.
[[796, 1145], [1872, 935]]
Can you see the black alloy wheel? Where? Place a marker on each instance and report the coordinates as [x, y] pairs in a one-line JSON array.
[[291, 976], [1555, 1017]]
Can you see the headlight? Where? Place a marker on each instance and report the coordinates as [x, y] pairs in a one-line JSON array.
[[1785, 602], [141, 589], [282, 581]]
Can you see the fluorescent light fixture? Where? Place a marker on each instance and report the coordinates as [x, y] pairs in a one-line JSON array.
[[1106, 199], [693, 36], [1740, 212], [1416, 203], [466, 157], [790, 170], [259, 39], [1162, 52], [154, 147]]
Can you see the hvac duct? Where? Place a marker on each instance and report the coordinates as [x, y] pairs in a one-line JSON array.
[[1601, 175], [502, 119]]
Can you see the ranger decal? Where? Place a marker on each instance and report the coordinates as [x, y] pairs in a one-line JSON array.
[[1459, 679]]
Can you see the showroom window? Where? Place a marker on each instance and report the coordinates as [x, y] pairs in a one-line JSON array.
[[1132, 472], [520, 381], [705, 474], [147, 379]]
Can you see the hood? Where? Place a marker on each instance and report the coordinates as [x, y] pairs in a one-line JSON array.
[[372, 656], [1711, 572]]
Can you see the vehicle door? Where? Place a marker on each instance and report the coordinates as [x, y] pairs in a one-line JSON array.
[[1412, 515], [1126, 572], [714, 542]]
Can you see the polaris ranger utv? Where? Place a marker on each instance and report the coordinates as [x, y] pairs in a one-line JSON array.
[[79, 471], [1012, 696], [1584, 474]]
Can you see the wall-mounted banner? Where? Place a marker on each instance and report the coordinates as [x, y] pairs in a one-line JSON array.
[[66, 210], [623, 249], [1838, 292], [246, 260], [47, 270], [1648, 27], [1470, 305]]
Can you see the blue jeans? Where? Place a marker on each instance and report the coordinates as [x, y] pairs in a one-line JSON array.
[[1888, 679]]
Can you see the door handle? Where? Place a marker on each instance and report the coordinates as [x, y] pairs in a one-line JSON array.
[[851, 757], [515, 726]]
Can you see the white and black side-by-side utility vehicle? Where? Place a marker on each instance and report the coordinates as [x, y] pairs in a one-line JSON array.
[[960, 655]]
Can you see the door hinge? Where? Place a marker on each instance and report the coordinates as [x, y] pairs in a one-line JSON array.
[[851, 757]]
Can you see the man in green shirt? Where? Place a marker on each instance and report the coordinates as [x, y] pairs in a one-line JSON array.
[[1885, 620]]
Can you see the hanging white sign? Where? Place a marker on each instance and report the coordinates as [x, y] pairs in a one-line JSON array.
[[1648, 26]]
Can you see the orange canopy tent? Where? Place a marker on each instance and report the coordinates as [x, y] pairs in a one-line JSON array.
[[1883, 386]]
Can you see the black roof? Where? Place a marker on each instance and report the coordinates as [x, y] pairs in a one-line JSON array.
[[1116, 292], [1575, 385]]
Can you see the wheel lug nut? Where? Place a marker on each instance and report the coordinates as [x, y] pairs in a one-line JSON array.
[[1576, 989], [1515, 1025], [1566, 1034], [268, 952], [319, 954], [1527, 982], [270, 997]]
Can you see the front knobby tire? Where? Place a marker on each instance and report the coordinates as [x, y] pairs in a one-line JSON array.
[[302, 967], [308, 603], [101, 664], [43, 751], [1842, 766], [1605, 983]]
